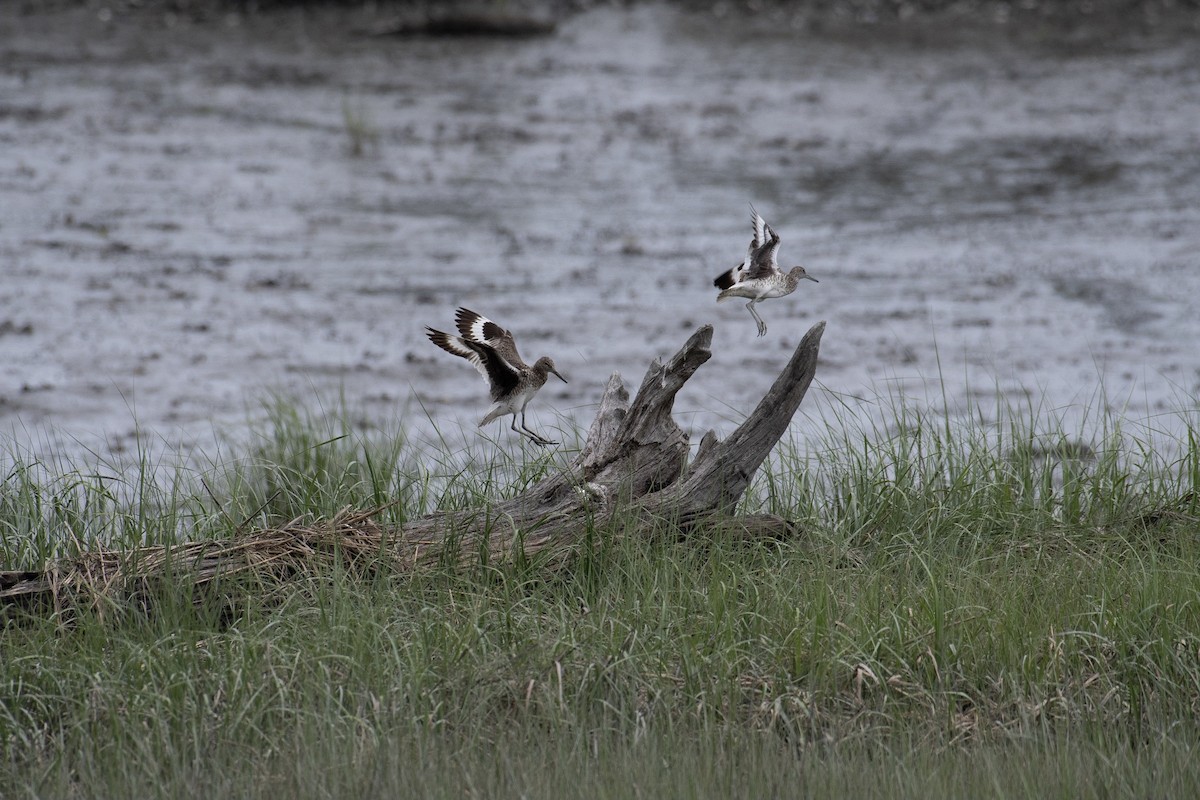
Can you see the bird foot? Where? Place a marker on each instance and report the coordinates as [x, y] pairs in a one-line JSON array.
[[762, 329]]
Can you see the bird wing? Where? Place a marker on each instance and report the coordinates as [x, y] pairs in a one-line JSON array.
[[502, 375], [759, 231], [475, 327], [762, 261], [751, 266]]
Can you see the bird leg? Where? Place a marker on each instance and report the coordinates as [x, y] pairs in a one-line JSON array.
[[762, 326], [542, 440], [537, 439], [527, 434]]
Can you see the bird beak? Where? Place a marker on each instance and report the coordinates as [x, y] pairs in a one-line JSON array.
[[560, 377], [811, 278]]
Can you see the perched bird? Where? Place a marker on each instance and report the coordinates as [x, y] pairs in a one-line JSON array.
[[758, 276], [491, 349]]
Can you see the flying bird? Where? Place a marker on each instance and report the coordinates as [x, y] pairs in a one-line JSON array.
[[758, 277], [492, 350]]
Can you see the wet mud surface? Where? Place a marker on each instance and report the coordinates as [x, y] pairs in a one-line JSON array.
[[197, 214]]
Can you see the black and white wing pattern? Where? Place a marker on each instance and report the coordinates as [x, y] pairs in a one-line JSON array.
[[475, 327], [741, 272], [762, 261], [760, 231], [501, 375]]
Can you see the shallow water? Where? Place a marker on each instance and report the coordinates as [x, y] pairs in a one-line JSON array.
[[186, 225]]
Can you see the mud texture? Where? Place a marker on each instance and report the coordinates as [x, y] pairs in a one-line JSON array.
[[203, 203]]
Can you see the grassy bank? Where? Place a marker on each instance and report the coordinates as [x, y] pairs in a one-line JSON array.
[[973, 610]]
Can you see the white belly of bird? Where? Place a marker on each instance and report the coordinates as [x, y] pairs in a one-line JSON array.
[[754, 290], [773, 289], [508, 405]]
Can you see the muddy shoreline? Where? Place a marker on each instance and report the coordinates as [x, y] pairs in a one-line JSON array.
[[202, 210]]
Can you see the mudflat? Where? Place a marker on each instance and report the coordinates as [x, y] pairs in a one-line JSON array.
[[195, 212]]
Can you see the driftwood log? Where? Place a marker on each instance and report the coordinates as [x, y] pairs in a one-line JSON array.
[[632, 475]]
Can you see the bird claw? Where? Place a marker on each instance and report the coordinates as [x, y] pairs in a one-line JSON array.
[[762, 329]]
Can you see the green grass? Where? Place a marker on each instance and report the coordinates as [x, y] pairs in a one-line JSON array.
[[973, 609]]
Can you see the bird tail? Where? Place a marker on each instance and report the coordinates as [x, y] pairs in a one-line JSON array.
[[495, 412], [726, 279]]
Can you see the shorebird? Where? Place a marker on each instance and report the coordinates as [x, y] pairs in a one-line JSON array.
[[491, 349], [758, 276]]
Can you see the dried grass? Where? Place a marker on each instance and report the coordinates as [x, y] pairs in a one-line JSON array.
[[263, 560]]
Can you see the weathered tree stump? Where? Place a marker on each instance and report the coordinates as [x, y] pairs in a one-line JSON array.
[[632, 472]]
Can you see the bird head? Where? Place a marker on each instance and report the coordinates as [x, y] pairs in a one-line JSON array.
[[545, 365], [798, 272]]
